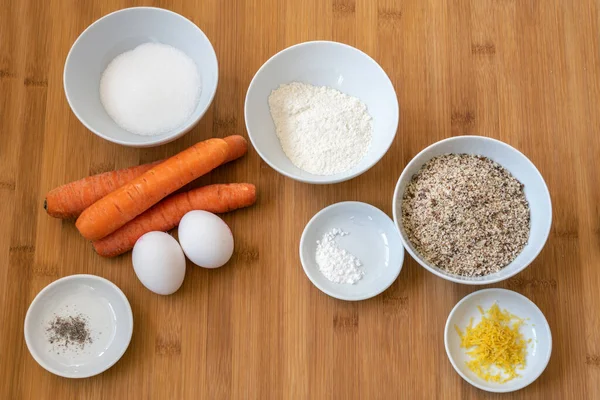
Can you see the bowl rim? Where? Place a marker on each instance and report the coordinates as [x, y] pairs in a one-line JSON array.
[[38, 298], [323, 289], [525, 383], [434, 270], [176, 133], [339, 177]]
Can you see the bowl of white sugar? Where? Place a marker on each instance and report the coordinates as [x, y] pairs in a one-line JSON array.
[[141, 76], [321, 112]]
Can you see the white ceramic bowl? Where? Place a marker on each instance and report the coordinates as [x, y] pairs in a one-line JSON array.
[[519, 166], [121, 31], [372, 238], [322, 63], [535, 328], [110, 322]]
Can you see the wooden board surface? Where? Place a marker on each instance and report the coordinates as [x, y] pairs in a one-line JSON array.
[[523, 71]]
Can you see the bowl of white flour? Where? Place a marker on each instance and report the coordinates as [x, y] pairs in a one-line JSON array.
[[321, 112], [141, 76]]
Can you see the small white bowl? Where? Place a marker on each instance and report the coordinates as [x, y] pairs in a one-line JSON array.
[[535, 328], [372, 238], [322, 63], [536, 193], [122, 31], [110, 319]]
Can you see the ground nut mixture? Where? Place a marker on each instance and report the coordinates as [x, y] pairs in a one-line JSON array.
[[466, 214]]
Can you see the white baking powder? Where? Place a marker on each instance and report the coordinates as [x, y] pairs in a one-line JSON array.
[[321, 130], [151, 89], [335, 263]]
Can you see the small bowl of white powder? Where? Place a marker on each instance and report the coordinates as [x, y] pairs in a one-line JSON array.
[[351, 251], [321, 112], [141, 76]]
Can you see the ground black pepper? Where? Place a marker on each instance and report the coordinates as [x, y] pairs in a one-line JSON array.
[[65, 332]]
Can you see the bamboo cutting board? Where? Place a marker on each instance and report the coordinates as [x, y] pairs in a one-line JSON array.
[[526, 72]]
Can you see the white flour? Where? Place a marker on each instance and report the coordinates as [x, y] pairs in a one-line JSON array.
[[321, 130], [335, 263]]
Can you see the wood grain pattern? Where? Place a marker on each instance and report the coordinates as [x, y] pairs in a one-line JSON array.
[[524, 71]]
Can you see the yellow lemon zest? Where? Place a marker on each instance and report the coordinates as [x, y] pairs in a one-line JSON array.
[[495, 342]]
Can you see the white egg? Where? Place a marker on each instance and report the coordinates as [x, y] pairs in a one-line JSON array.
[[158, 262], [205, 239]]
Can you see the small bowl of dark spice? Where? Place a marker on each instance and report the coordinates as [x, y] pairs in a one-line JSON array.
[[78, 326], [69, 331], [472, 210]]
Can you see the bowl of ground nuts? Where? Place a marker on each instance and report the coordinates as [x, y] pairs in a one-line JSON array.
[[472, 210]]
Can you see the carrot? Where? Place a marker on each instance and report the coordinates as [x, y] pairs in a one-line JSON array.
[[167, 214], [238, 146], [130, 200], [69, 200]]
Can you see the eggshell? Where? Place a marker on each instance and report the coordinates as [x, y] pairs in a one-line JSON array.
[[205, 239], [159, 262]]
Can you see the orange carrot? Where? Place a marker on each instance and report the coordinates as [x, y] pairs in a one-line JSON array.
[[238, 146], [130, 200], [69, 200], [167, 214]]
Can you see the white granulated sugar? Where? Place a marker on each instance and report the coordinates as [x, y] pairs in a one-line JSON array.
[[151, 89], [321, 130], [335, 263]]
